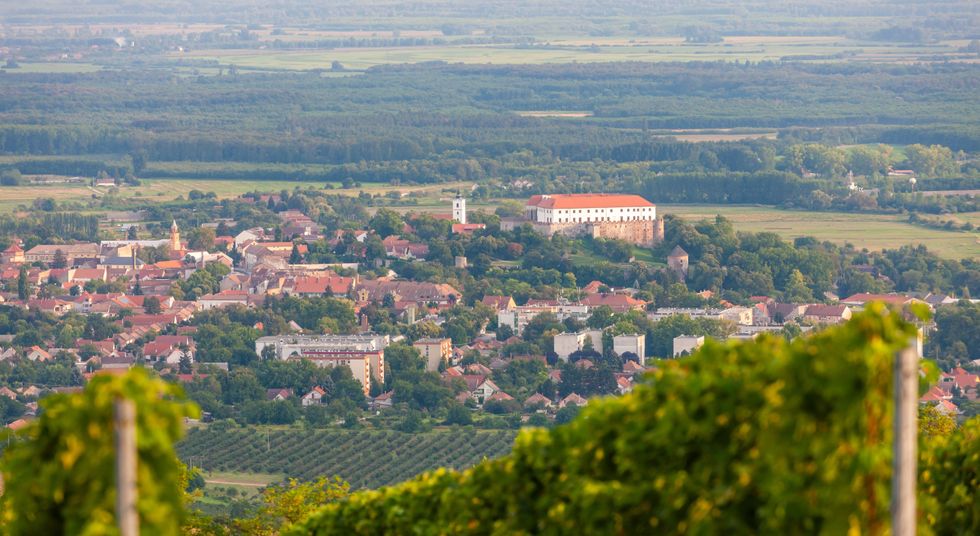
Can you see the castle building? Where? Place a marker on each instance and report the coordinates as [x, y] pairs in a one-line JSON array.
[[620, 216]]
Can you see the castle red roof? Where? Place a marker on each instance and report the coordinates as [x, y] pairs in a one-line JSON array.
[[588, 201]]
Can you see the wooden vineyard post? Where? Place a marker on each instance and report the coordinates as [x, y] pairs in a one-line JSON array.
[[905, 439], [125, 428]]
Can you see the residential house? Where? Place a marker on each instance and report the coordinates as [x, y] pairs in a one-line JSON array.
[[573, 399], [827, 314], [325, 285], [119, 361], [314, 397], [223, 299], [278, 395], [538, 401], [480, 387], [499, 303], [169, 349], [36, 353]]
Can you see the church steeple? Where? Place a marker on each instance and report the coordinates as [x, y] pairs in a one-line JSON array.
[[175, 244], [459, 208]]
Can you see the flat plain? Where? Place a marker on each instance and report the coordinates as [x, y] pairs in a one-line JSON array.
[[751, 48], [871, 231]]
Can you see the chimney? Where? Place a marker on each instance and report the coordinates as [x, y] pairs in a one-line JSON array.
[[365, 325]]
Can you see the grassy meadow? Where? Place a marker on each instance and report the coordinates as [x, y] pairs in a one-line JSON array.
[[871, 231]]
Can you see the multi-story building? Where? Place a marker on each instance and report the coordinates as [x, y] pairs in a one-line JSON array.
[[742, 316], [363, 354], [518, 317], [47, 253], [434, 351], [567, 344], [625, 217], [633, 343]]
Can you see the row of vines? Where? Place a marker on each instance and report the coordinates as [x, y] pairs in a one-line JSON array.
[[366, 459]]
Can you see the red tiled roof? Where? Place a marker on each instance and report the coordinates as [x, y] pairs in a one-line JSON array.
[[561, 201], [319, 285], [467, 227], [895, 299], [825, 310], [496, 302], [537, 398]]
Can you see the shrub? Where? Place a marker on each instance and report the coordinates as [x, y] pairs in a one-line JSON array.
[[767, 437], [60, 475]]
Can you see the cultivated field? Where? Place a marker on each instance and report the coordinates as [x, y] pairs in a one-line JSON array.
[[11, 197], [871, 231], [366, 459], [752, 48]]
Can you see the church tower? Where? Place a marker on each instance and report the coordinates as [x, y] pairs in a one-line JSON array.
[[175, 244], [459, 208]]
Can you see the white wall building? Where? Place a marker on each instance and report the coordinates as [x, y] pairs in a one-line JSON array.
[[519, 317], [633, 343], [742, 316], [567, 344], [588, 208], [687, 343], [363, 354]]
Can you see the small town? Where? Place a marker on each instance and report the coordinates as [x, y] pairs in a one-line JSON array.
[[526, 358], [489, 267]]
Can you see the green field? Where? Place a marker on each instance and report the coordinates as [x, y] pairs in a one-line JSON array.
[[586, 50], [11, 197], [52, 68], [871, 231], [366, 459]]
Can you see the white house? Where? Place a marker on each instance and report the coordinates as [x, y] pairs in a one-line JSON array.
[[314, 397]]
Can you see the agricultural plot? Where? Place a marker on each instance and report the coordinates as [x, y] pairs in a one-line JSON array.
[[871, 231], [366, 459], [752, 48], [169, 189]]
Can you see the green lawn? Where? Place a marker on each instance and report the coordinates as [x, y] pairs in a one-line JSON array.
[[872, 231]]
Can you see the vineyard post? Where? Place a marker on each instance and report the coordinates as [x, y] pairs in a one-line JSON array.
[[125, 428], [904, 448]]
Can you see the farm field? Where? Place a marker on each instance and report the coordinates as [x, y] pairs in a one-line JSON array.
[[752, 48], [366, 459], [168, 189], [52, 68], [871, 231]]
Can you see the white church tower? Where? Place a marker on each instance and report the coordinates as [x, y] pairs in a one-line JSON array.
[[459, 208]]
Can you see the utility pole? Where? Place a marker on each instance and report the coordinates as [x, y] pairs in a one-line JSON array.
[[125, 427], [905, 439]]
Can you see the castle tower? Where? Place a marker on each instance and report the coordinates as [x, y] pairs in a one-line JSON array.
[[658, 230], [175, 238], [678, 261], [459, 208]]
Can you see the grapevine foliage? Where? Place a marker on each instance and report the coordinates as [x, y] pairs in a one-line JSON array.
[[765, 437], [60, 473]]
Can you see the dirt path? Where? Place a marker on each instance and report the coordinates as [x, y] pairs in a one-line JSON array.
[[231, 483]]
